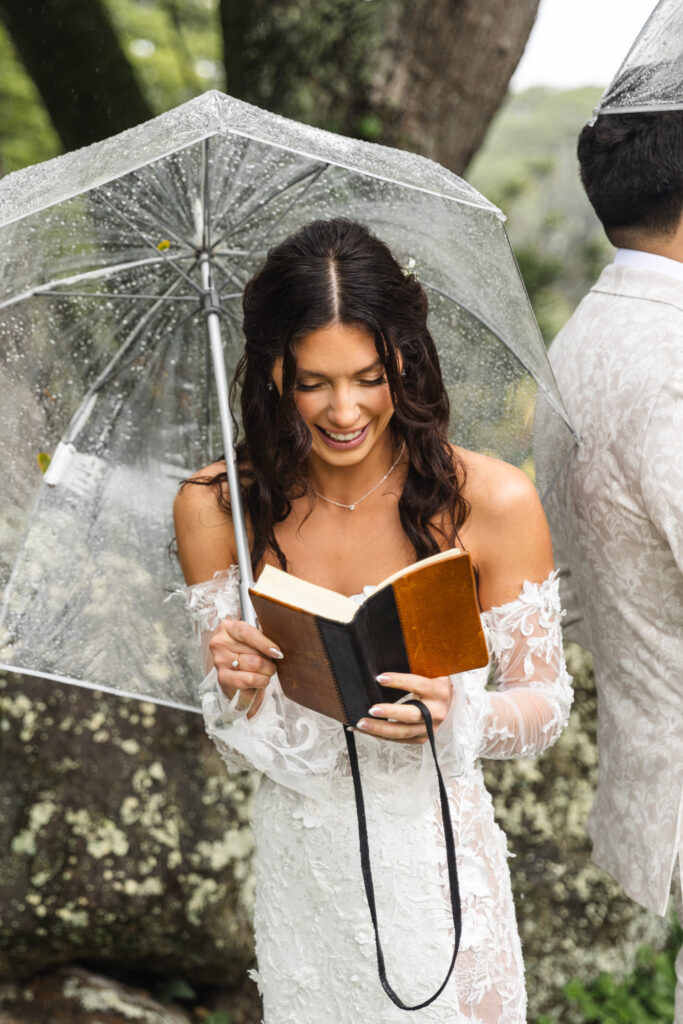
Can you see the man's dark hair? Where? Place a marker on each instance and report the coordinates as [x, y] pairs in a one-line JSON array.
[[632, 171]]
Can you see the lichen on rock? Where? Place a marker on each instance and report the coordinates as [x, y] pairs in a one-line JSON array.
[[123, 840]]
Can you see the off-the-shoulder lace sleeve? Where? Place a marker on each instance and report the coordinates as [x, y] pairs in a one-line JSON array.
[[208, 603], [531, 705], [293, 745]]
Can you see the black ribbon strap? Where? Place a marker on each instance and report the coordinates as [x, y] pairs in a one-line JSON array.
[[367, 872]]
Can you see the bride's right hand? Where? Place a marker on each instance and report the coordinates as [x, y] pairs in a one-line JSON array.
[[244, 658]]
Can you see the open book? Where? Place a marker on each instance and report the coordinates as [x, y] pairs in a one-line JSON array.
[[423, 619]]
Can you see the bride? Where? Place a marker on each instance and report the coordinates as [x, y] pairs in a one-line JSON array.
[[347, 477]]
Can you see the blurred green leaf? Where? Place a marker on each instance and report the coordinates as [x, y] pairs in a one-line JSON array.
[[218, 1017], [167, 990]]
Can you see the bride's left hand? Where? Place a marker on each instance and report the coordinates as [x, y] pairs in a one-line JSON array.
[[403, 723]]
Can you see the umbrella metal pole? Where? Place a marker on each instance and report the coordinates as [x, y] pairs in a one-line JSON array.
[[210, 308]]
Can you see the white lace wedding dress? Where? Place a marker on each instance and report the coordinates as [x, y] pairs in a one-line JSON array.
[[314, 938]]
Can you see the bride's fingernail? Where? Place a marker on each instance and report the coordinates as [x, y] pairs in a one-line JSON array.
[[376, 711], [383, 679], [276, 654], [362, 724]]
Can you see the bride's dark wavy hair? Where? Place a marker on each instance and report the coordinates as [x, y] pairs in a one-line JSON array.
[[329, 272]]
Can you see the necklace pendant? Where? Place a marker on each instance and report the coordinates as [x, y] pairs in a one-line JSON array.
[[351, 508]]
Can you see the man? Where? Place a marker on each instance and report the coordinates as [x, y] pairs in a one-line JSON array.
[[616, 512]]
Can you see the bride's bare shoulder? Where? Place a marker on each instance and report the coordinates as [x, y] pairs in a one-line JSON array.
[[203, 527], [506, 530], [495, 488], [201, 494]]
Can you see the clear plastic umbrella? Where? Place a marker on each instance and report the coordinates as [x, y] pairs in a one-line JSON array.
[[120, 309], [651, 76]]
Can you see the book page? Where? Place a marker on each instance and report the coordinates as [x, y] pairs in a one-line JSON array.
[[416, 566], [288, 589]]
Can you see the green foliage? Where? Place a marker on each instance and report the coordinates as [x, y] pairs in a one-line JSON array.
[[175, 48], [290, 59], [313, 60], [538, 273], [528, 167], [645, 996], [26, 133], [543, 275]]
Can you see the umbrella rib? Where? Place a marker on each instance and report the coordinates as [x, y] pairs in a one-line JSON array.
[[117, 295], [77, 422], [309, 178], [315, 170], [86, 684], [206, 230], [87, 275], [231, 276], [271, 227], [206, 213], [229, 312], [131, 224]]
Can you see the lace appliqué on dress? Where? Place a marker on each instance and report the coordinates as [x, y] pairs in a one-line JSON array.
[[218, 598]]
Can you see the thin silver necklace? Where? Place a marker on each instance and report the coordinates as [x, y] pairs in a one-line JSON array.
[[351, 507]]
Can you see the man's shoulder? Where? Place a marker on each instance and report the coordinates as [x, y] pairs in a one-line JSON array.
[[626, 307], [641, 283]]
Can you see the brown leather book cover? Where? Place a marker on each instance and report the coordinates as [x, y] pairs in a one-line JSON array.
[[440, 620], [305, 673]]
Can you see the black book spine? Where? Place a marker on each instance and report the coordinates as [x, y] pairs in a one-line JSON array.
[[362, 649], [345, 656], [385, 641]]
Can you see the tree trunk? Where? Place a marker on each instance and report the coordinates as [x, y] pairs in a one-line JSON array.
[[80, 70], [444, 71], [426, 75]]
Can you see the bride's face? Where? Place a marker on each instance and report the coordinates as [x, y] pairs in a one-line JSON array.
[[341, 393]]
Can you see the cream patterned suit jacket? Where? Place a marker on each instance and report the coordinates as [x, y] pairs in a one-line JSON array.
[[616, 516]]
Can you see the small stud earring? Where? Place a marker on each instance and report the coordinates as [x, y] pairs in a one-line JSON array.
[[270, 387]]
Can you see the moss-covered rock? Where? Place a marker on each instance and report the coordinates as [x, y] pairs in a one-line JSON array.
[[123, 840], [72, 995], [575, 921]]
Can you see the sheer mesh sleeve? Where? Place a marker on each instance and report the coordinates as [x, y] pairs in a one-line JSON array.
[[531, 705]]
